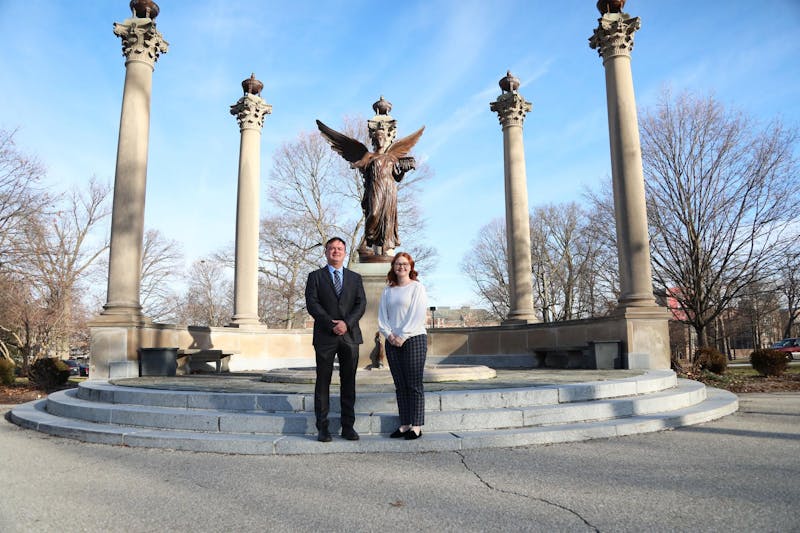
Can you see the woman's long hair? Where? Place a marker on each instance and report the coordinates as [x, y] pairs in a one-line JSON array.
[[391, 277]]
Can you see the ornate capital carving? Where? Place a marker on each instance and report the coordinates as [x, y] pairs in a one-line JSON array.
[[614, 35], [141, 41], [250, 111], [511, 109]]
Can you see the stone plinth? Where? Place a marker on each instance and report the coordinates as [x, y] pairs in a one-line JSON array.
[[374, 278]]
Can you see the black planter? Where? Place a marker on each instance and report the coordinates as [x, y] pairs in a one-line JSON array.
[[158, 361]]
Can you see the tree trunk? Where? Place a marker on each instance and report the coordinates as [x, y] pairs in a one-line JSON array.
[[702, 336]]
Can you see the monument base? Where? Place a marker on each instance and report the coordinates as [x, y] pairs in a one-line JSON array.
[[374, 279]]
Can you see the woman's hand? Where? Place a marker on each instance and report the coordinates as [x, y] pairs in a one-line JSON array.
[[394, 340]]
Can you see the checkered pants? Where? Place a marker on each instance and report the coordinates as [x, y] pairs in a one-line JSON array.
[[406, 364]]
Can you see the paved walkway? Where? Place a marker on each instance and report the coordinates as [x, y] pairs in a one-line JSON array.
[[741, 473]]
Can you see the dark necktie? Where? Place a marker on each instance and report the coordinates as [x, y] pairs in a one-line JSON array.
[[337, 282]]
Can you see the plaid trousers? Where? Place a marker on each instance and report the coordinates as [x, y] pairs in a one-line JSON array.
[[407, 363]]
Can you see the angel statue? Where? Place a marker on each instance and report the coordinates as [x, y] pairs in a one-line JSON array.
[[381, 170]]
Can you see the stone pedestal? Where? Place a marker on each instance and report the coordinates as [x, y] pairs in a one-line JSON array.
[[374, 279], [645, 331], [249, 111]]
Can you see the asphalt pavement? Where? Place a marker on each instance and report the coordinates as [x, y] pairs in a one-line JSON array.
[[739, 473]]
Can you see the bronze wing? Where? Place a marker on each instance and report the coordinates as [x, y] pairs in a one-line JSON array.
[[350, 149], [401, 147]]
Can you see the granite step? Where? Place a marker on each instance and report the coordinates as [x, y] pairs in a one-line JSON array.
[[651, 381], [716, 404], [516, 409]]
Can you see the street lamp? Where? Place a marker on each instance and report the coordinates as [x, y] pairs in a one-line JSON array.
[[433, 316]]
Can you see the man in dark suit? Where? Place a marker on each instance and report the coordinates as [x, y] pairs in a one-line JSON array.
[[335, 298]]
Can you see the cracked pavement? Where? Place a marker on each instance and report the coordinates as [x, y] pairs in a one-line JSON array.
[[741, 473]]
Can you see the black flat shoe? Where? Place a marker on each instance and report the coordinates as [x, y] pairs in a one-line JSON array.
[[350, 434], [324, 435], [398, 434], [410, 435]]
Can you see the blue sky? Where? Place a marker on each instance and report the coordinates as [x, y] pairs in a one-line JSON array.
[[437, 61]]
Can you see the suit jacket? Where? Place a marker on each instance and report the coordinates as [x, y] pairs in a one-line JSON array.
[[323, 304]]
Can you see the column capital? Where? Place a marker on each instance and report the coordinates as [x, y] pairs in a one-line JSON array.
[[511, 108], [141, 41], [250, 111], [614, 35]]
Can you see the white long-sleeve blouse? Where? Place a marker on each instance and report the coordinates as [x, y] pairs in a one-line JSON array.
[[402, 310]]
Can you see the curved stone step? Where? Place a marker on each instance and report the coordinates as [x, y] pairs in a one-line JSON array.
[[33, 415], [66, 404], [369, 402]]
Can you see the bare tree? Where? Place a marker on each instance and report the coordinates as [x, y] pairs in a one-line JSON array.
[[722, 193], [21, 201], [305, 183], [554, 232], [21, 198], [61, 248], [43, 302], [289, 251], [13, 295], [569, 261], [759, 305], [162, 272], [789, 286], [487, 267], [208, 300], [600, 228]]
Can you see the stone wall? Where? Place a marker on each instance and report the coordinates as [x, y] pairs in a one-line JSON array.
[[644, 343]]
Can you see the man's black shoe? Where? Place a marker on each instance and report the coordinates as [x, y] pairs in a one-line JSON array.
[[350, 434], [324, 435]]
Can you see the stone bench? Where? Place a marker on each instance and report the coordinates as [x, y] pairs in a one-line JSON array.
[[595, 355], [187, 357]]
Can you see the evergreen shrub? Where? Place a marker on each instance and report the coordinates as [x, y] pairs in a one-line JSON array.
[[711, 359], [48, 374], [769, 362], [7, 372]]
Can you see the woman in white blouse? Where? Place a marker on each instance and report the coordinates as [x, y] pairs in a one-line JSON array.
[[401, 320]]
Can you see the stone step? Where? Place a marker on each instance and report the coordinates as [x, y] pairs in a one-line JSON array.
[[717, 403], [652, 381], [228, 419]]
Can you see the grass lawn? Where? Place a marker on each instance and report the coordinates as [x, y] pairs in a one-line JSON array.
[[745, 379]]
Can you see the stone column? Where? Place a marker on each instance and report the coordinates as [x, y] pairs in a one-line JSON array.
[[141, 45], [641, 324], [249, 112], [511, 108], [613, 39]]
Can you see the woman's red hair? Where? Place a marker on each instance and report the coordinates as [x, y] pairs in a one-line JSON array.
[[391, 277]]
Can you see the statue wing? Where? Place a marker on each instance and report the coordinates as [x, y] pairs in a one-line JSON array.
[[350, 149], [401, 147]]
